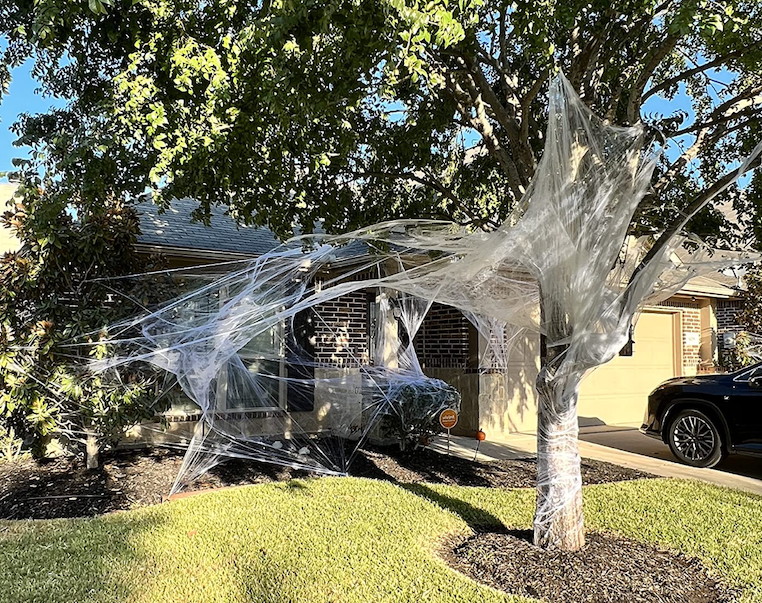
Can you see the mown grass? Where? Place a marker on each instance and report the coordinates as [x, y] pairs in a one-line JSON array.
[[345, 540]]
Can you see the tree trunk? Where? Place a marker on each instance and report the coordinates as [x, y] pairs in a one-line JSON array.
[[91, 449], [558, 522]]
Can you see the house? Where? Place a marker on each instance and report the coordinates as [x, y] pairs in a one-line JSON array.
[[682, 335], [677, 337], [8, 242]]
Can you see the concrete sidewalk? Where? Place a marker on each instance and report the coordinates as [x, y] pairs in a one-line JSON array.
[[624, 446]]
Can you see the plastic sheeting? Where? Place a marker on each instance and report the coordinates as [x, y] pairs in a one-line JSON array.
[[273, 368]]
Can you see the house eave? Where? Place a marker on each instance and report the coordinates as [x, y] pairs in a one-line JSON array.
[[713, 291], [206, 255]]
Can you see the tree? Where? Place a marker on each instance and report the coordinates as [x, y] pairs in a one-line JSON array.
[[51, 304], [352, 112], [750, 315], [746, 348]]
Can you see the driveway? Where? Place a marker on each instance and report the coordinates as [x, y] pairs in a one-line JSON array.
[[624, 446], [735, 471]]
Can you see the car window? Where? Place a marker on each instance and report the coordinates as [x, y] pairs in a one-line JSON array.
[[755, 372]]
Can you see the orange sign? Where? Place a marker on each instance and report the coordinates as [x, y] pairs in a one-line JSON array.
[[448, 419]]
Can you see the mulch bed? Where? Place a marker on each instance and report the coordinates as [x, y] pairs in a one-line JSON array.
[[427, 466], [128, 479], [609, 569]]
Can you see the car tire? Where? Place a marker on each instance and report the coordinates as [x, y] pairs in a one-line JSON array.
[[695, 439]]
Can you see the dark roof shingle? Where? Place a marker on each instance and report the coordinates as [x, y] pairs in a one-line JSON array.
[[175, 228]]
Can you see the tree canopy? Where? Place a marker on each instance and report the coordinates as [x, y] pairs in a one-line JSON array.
[[353, 111]]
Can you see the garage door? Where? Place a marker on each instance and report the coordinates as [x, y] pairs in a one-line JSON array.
[[617, 392]]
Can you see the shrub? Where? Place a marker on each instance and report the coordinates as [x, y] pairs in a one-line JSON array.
[[412, 415], [11, 447], [54, 308]]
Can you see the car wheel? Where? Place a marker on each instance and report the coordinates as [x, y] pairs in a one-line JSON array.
[[695, 439]]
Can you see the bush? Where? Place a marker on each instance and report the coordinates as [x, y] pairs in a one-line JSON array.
[[412, 415], [745, 352], [11, 447], [54, 309]]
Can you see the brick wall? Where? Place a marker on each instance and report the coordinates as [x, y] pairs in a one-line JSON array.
[[727, 310], [443, 339], [341, 330], [691, 324], [727, 321]]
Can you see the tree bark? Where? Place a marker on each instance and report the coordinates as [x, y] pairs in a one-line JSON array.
[[558, 521], [91, 449]]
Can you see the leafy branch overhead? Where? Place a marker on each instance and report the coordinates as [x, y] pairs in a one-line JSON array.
[[351, 112]]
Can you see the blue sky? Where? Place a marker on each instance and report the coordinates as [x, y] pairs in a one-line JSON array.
[[21, 98]]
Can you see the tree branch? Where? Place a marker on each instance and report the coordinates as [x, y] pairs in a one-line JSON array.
[[480, 122], [440, 188], [526, 103], [657, 55], [525, 163], [505, 84], [703, 138], [752, 92], [503, 39], [696, 70], [698, 203], [669, 176], [415, 177], [729, 116]]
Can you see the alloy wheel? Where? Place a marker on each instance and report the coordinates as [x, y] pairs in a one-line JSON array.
[[694, 438]]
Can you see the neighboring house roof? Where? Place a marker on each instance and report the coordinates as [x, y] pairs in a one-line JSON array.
[[725, 284], [712, 285]]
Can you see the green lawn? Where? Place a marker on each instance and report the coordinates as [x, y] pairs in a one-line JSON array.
[[344, 539]]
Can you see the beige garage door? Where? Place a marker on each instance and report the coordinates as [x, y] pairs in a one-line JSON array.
[[617, 392]]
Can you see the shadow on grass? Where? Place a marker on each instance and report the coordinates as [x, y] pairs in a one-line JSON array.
[[477, 519], [89, 560]]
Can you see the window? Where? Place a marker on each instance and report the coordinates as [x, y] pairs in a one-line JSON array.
[[746, 376], [274, 370], [371, 324], [300, 367], [252, 379]]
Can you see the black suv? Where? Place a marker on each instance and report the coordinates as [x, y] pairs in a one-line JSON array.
[[704, 418]]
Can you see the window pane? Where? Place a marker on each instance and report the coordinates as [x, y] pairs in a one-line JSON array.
[[266, 344], [255, 384]]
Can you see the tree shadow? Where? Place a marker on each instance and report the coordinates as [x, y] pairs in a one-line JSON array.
[[477, 519], [49, 489], [75, 560], [423, 466]]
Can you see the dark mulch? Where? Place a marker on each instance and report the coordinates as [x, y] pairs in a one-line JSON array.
[[434, 468], [609, 569], [128, 479]]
